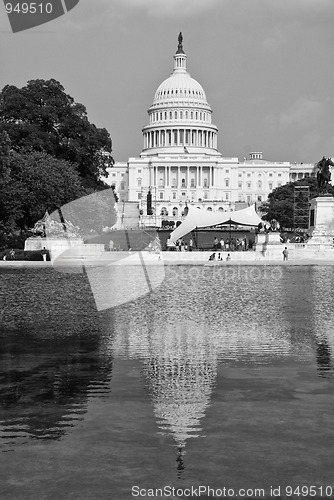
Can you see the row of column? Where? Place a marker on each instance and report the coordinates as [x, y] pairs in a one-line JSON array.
[[174, 177], [180, 137]]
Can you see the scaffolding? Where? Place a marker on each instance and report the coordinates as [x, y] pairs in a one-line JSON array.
[[301, 207], [148, 220]]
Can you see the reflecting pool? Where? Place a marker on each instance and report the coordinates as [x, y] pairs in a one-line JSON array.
[[220, 376]]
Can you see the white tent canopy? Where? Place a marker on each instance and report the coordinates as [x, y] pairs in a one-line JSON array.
[[199, 217]]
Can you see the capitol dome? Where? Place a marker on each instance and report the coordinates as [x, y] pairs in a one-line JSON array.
[[180, 115], [180, 86]]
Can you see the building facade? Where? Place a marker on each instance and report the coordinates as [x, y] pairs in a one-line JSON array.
[[180, 163]]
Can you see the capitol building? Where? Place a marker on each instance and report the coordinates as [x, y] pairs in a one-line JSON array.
[[180, 163]]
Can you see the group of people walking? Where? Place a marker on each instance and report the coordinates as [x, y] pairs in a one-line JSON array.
[[233, 244], [182, 246]]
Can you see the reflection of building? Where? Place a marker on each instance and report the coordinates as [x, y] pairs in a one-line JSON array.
[[180, 365], [181, 341], [180, 159]]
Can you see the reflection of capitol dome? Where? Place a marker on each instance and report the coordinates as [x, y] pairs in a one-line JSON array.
[[180, 116], [180, 364]]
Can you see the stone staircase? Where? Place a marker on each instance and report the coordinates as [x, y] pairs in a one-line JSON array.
[[128, 215]]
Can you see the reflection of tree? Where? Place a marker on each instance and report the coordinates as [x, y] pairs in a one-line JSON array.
[[50, 358], [43, 394], [308, 308], [324, 359]]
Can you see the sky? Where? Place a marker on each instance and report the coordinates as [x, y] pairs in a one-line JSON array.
[[266, 66]]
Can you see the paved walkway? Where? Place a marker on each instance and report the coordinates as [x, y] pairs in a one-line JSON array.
[[167, 259]]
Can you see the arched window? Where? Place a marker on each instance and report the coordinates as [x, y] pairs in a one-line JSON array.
[[181, 114], [183, 183], [192, 183], [175, 211], [227, 183], [175, 115], [161, 181], [259, 184], [174, 182], [205, 182]]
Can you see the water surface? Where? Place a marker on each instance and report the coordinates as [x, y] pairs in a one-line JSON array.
[[220, 376]]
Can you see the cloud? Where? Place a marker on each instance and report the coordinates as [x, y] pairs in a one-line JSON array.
[[305, 112], [274, 41], [168, 8]]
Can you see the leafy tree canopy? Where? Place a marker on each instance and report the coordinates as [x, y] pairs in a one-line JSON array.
[[280, 204], [32, 183], [42, 117]]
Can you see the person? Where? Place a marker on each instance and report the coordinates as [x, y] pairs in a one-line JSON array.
[[222, 244], [212, 256], [44, 253], [12, 254], [4, 257], [228, 257], [285, 254], [191, 245], [111, 245], [215, 243], [219, 256]]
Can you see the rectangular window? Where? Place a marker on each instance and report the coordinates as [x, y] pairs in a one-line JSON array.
[[240, 185], [139, 196], [161, 195]]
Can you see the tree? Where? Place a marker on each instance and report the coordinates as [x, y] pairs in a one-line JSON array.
[[33, 183], [280, 204], [42, 117]]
